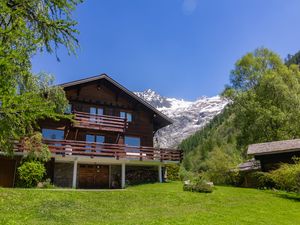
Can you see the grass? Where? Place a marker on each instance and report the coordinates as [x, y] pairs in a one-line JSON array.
[[149, 204]]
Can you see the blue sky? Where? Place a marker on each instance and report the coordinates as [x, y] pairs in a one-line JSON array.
[[179, 48]]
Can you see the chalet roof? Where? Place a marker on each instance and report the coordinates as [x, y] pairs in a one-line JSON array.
[[274, 147], [167, 120]]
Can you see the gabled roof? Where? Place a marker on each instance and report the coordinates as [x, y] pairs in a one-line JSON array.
[[167, 120], [274, 147]]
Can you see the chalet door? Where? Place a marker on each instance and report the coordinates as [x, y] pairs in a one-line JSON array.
[[7, 171], [93, 176]]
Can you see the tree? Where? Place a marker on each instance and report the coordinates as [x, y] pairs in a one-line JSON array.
[[293, 59], [265, 95], [28, 26]]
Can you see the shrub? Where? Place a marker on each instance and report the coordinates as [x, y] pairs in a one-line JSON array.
[[262, 180], [198, 184], [30, 173], [173, 172], [287, 177]]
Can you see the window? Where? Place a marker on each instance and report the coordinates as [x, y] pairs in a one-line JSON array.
[[93, 138], [53, 134], [126, 115], [132, 141], [123, 115], [96, 111]]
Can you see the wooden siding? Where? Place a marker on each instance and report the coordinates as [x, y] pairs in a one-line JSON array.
[[113, 101]]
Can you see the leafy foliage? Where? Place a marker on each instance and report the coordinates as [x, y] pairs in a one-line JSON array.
[[173, 172], [266, 98], [287, 177], [26, 27], [30, 173], [38, 99], [293, 59]]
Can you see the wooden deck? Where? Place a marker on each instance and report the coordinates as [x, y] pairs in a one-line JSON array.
[[116, 151], [100, 122]]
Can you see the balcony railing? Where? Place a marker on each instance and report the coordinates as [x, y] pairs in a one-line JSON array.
[[100, 122], [116, 151]]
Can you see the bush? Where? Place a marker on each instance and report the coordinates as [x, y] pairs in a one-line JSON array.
[[173, 172], [30, 173], [262, 180], [198, 184], [287, 177]]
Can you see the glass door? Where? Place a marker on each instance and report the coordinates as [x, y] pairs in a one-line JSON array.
[[96, 111]]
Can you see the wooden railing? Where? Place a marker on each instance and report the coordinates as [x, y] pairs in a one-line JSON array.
[[100, 122], [117, 151]]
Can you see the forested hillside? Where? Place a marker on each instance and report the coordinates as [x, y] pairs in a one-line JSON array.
[[265, 96], [219, 134]]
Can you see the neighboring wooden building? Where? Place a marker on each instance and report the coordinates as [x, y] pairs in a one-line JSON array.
[[109, 142], [271, 154]]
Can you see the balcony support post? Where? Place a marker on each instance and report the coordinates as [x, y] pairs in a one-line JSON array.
[[74, 181], [160, 174], [123, 175]]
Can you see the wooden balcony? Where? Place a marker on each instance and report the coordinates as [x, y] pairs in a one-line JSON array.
[[100, 122], [116, 151]]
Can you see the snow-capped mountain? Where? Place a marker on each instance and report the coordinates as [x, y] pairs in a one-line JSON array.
[[188, 116]]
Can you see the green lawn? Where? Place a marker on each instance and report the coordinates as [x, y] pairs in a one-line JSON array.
[[149, 204]]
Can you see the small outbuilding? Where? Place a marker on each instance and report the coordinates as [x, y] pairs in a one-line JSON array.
[[271, 154]]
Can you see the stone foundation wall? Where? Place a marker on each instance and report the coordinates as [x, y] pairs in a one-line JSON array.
[[63, 174], [141, 174]]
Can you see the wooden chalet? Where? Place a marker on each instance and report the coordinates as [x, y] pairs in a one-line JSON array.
[[109, 142], [271, 154]]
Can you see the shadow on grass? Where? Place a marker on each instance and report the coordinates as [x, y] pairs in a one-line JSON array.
[[290, 196]]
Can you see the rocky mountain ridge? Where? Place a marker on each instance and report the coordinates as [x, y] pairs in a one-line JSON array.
[[188, 116]]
